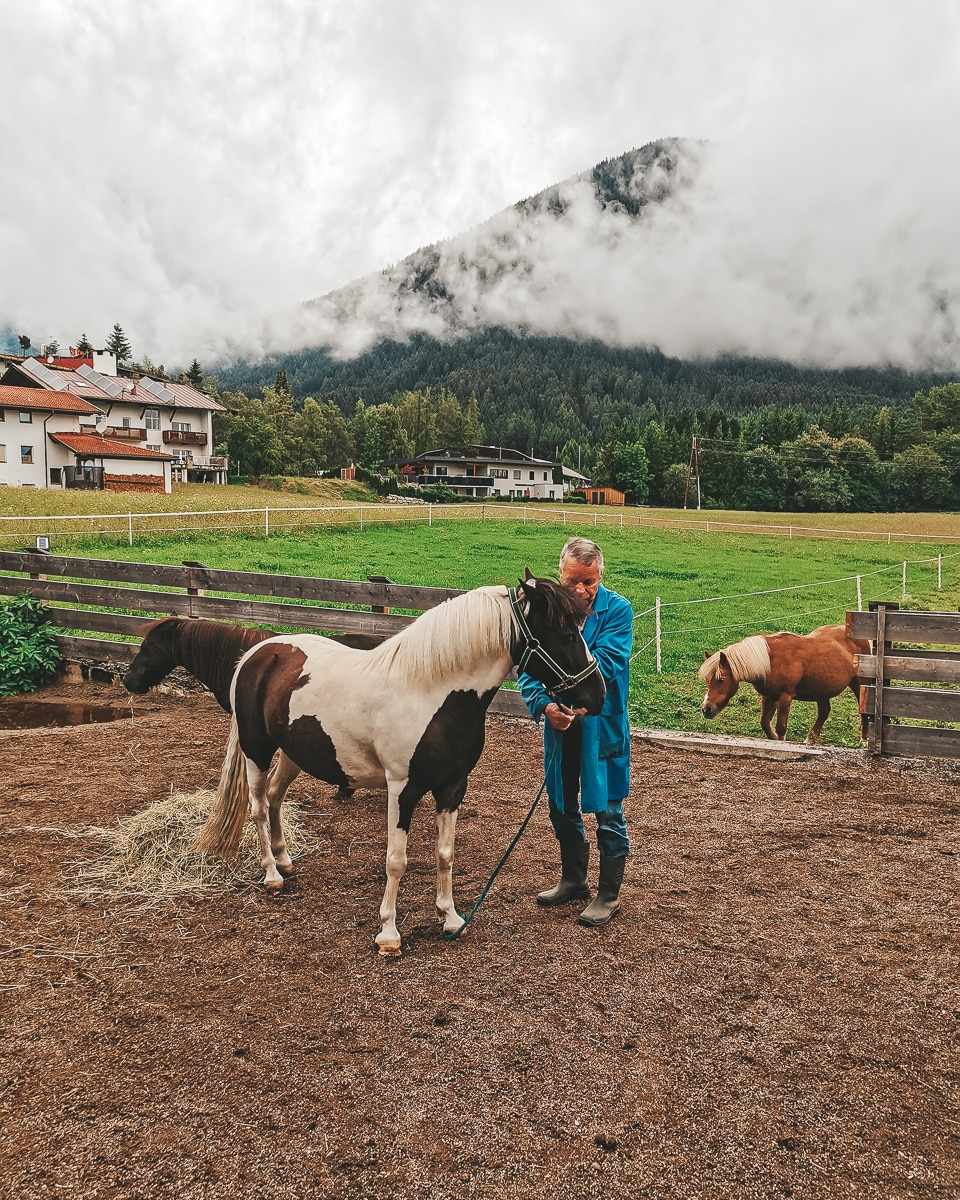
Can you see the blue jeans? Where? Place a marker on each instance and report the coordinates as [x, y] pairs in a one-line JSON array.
[[612, 839]]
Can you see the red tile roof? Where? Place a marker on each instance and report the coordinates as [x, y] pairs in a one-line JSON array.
[[91, 445], [41, 399]]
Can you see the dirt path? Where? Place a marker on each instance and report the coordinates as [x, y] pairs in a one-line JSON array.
[[774, 1013]]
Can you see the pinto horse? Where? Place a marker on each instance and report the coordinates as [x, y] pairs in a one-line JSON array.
[[784, 667], [209, 650], [409, 714]]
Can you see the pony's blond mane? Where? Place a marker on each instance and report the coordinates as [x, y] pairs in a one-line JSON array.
[[451, 639], [749, 661]]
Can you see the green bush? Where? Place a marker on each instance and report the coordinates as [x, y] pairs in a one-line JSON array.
[[29, 655]]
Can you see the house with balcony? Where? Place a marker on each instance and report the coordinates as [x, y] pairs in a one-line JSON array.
[[42, 446], [488, 472], [172, 422]]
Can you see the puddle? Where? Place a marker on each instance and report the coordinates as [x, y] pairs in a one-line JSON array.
[[16, 713]]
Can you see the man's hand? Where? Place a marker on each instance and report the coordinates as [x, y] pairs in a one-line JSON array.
[[561, 717]]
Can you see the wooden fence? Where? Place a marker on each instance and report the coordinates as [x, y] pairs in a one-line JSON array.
[[118, 598], [899, 668]]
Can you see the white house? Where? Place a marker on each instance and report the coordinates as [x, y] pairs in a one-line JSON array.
[[486, 472], [139, 419]]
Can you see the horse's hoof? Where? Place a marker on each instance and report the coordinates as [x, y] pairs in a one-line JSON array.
[[273, 885], [389, 951], [285, 869]]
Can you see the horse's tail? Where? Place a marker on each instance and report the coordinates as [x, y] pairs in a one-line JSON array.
[[224, 826]]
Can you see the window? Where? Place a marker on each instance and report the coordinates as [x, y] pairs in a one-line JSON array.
[[55, 475], [1, 414], [533, 476], [180, 426], [544, 477], [499, 473], [516, 474], [26, 454], [151, 418], [440, 470], [3, 454], [157, 448], [26, 418], [126, 422]]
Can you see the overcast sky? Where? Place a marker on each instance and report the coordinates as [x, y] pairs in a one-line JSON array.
[[189, 167]]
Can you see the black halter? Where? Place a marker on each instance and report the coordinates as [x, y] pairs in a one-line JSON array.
[[531, 648]]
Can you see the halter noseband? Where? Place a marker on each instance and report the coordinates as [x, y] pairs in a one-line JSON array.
[[532, 649]]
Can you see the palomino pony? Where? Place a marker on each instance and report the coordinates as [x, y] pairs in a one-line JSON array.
[[409, 713], [209, 650], [784, 667]]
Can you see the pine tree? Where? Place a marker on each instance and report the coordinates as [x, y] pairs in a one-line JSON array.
[[118, 345], [84, 346], [195, 375]]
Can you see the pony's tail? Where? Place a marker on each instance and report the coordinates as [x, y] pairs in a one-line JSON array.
[[224, 826]]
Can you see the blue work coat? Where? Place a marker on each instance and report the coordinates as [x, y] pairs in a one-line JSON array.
[[605, 757]]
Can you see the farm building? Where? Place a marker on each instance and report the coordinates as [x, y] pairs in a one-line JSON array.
[[604, 495]]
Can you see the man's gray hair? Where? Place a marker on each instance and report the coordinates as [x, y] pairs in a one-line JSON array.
[[582, 551]]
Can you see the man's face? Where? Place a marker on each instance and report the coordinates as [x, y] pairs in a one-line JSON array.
[[581, 579]]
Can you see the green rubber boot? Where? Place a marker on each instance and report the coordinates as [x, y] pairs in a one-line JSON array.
[[606, 903], [574, 859]]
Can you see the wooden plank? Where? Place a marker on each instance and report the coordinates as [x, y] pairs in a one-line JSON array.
[[916, 666], [254, 612], [927, 628], [147, 574], [248, 583], [299, 616], [96, 595], [97, 622], [77, 649], [915, 704], [876, 731], [918, 741]]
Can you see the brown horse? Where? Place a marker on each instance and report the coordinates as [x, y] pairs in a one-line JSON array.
[[784, 667], [209, 650]]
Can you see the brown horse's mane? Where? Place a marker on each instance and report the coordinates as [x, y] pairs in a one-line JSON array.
[[749, 661], [209, 650]]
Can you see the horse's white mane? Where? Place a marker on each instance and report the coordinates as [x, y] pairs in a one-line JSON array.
[[450, 639], [749, 661]]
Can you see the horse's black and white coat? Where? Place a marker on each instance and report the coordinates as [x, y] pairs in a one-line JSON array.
[[408, 714]]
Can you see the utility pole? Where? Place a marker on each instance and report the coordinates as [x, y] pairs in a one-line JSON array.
[[693, 472]]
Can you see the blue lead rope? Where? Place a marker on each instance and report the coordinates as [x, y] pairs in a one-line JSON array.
[[468, 917]]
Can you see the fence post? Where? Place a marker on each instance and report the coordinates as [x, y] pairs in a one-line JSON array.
[[939, 572], [903, 586], [430, 513], [361, 516], [130, 528], [659, 655], [266, 522], [859, 596]]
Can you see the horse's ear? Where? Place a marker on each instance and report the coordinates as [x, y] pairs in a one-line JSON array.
[[724, 661], [528, 576], [706, 655]]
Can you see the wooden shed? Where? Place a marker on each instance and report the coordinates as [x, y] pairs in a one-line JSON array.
[[605, 495]]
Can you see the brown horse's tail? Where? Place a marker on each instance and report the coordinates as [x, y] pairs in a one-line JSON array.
[[224, 827]]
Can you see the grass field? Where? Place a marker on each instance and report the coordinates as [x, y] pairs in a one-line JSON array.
[[714, 586]]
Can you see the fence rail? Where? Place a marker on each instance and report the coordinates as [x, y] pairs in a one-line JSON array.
[[885, 702], [274, 520], [153, 590]]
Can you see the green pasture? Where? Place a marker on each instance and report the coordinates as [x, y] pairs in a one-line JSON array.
[[714, 587]]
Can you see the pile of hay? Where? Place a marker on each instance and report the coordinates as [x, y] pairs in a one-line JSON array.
[[150, 853]]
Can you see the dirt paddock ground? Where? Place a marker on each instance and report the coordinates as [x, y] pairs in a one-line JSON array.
[[774, 1013]]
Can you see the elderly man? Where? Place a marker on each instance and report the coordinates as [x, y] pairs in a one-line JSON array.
[[587, 759]]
